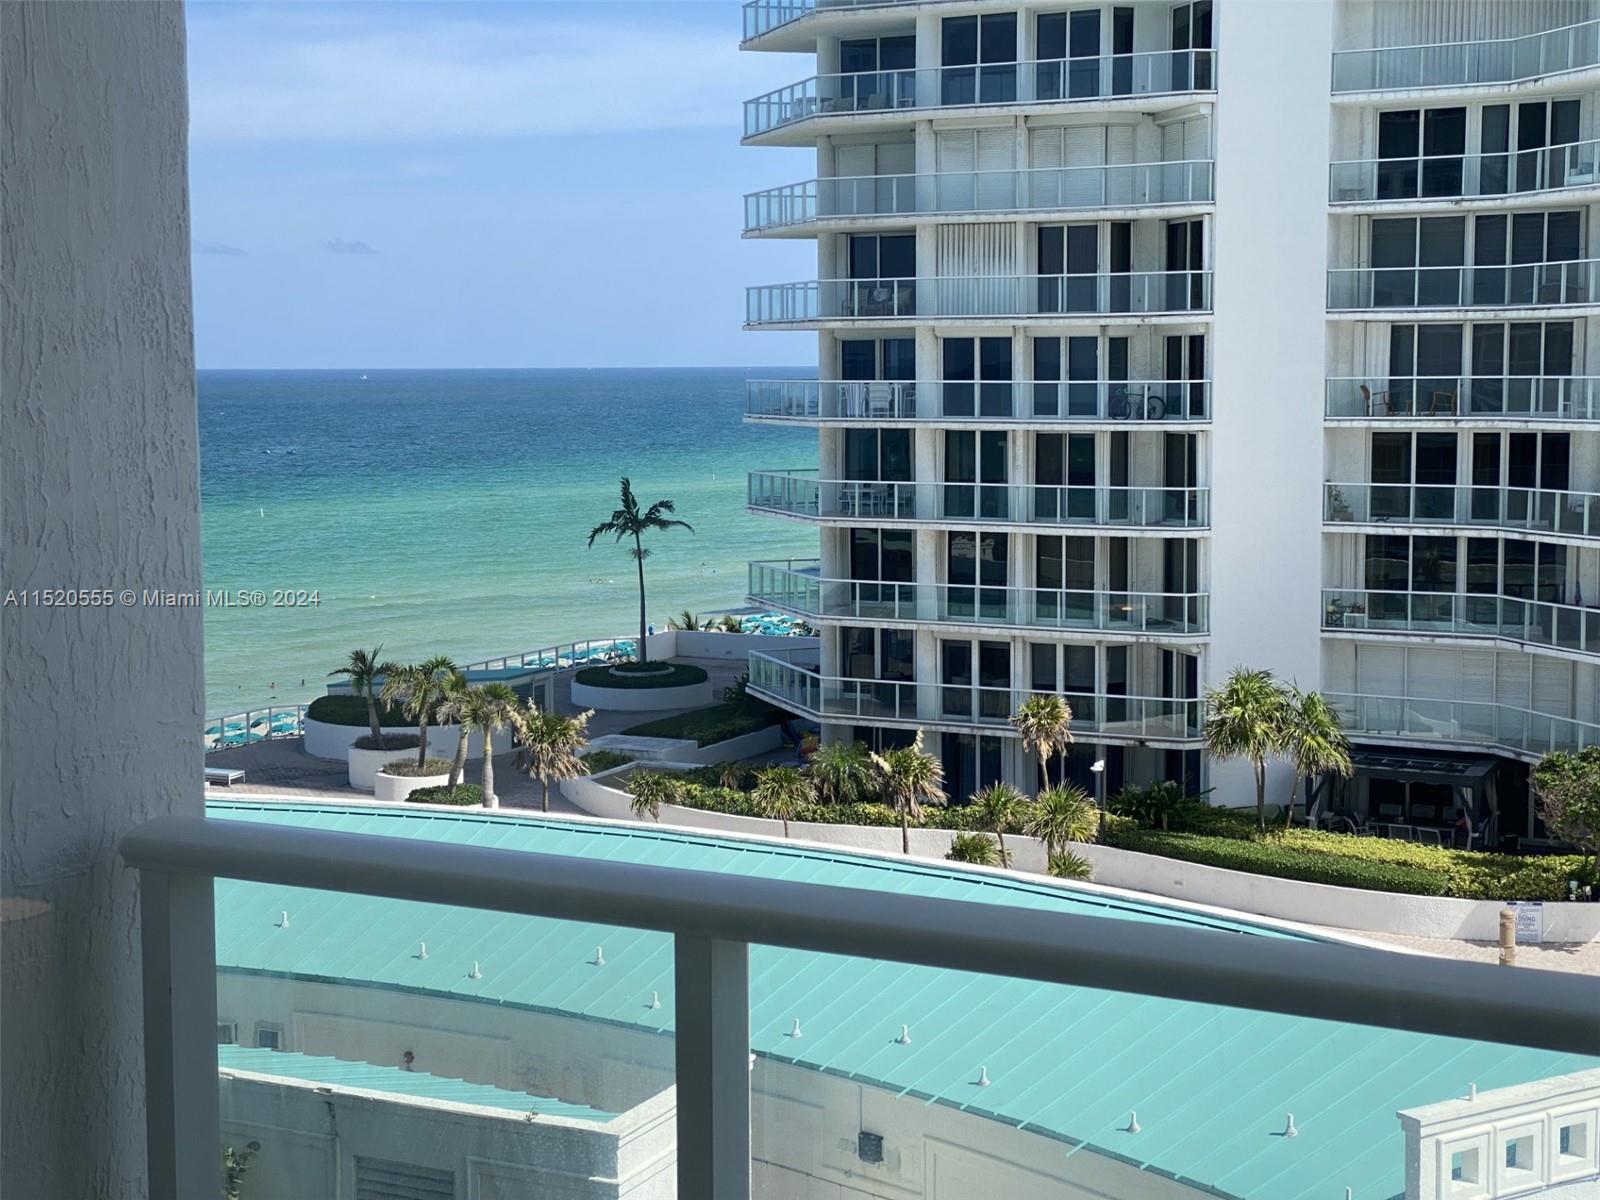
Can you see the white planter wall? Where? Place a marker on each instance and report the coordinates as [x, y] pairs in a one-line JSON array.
[[365, 764], [392, 789], [322, 740], [693, 695]]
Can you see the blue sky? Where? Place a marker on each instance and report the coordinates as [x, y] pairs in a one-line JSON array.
[[480, 185]]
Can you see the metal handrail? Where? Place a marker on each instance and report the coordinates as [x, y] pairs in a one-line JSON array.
[[1551, 168], [1468, 63], [1477, 285], [1477, 723], [986, 400], [1570, 627], [1490, 506], [1530, 397], [1132, 293]]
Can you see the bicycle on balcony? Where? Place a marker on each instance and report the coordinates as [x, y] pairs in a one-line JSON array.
[[1136, 405]]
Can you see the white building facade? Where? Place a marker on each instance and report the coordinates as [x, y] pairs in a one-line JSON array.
[[1155, 339]]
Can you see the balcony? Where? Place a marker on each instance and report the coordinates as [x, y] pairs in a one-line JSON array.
[[1546, 398], [1473, 724], [990, 402], [1128, 293], [1520, 510], [798, 207], [895, 95], [1565, 627], [1468, 64], [800, 493], [1444, 178], [764, 16], [963, 706], [1555, 285], [796, 587]]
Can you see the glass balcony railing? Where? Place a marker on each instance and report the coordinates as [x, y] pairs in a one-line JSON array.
[[1538, 285], [1532, 397], [797, 587], [800, 493], [825, 697], [1532, 622], [1057, 81], [1570, 514], [1479, 724], [763, 16], [1038, 189], [1466, 176], [988, 400], [1128, 293], [1468, 64]]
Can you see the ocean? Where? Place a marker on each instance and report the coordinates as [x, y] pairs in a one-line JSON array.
[[447, 512]]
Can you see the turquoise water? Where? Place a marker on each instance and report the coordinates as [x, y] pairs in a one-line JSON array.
[[448, 511]]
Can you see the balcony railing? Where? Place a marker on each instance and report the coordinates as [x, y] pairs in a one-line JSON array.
[[1466, 176], [988, 400], [1038, 189], [1538, 285], [1468, 64], [796, 587], [1057, 81], [1568, 514], [1532, 397], [800, 493], [1128, 293], [763, 16], [1476, 723], [826, 697], [1532, 622]]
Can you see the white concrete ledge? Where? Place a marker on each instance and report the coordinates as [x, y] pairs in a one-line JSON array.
[[642, 699], [392, 789], [322, 740]]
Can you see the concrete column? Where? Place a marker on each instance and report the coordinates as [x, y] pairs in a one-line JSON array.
[[928, 47], [1268, 340], [100, 707]]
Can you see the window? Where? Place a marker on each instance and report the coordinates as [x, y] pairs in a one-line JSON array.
[[1065, 578], [1185, 265], [1424, 367], [880, 358], [1420, 153], [1545, 131], [977, 376], [977, 569], [869, 64], [975, 458], [882, 555], [227, 1033], [1184, 364], [883, 256], [1507, 248], [1521, 367], [878, 455], [1426, 460], [1064, 475], [1075, 36], [1069, 263], [970, 762], [269, 1036], [1416, 261], [877, 654], [979, 55], [1191, 30], [1076, 392]]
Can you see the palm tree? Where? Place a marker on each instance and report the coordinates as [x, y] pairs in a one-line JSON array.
[[629, 522], [1044, 724], [728, 623], [781, 793], [1000, 807], [1245, 719], [842, 772], [1314, 741], [978, 848], [1060, 816], [551, 745], [452, 709], [363, 667], [685, 621], [418, 690], [649, 790], [489, 707], [910, 780]]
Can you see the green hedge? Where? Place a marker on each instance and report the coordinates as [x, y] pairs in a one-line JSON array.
[[681, 675], [603, 760], [708, 726], [352, 710], [742, 804], [407, 768], [389, 741], [462, 794]]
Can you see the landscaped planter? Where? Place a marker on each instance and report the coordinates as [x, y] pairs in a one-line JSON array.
[[392, 789], [607, 689], [364, 764], [323, 740]]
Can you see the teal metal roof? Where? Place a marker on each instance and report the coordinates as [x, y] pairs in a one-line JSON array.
[[336, 1072], [1212, 1086]]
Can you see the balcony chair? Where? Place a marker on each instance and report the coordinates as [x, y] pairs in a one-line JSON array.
[[1371, 398], [880, 400], [1442, 401]]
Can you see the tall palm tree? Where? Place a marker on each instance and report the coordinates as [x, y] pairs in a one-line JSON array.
[[630, 522], [842, 772], [489, 708], [1000, 807], [1246, 719], [551, 744], [910, 779], [1044, 723], [452, 709], [781, 793], [418, 689], [363, 668], [1314, 740], [1060, 816]]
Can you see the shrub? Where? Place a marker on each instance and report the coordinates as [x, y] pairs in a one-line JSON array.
[[462, 794], [979, 848], [391, 741], [1069, 865], [604, 760], [708, 726], [681, 675], [352, 710], [409, 768]]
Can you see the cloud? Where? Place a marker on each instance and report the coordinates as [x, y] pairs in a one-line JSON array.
[[343, 74], [341, 246], [215, 248]]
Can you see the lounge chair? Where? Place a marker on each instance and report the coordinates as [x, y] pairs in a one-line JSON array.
[[223, 776]]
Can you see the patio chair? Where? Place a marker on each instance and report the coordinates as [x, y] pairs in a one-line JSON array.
[[1371, 398]]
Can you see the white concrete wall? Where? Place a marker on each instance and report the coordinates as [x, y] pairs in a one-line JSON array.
[[1267, 353], [100, 707]]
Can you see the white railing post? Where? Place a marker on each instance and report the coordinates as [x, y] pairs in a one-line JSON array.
[[712, 1041], [178, 942]]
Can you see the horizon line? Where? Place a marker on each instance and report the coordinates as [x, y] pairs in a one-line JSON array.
[[564, 367]]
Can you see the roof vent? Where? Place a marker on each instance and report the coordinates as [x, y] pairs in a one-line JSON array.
[[983, 1076], [1288, 1129], [1472, 1091], [655, 999], [905, 1036], [475, 973], [422, 950], [795, 1032], [283, 921], [1133, 1123], [599, 956]]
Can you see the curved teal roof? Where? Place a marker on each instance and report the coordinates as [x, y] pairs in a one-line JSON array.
[[1212, 1085]]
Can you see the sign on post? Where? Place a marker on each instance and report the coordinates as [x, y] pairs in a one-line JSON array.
[[1530, 921]]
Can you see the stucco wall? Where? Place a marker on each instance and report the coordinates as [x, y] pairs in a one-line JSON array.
[[100, 707]]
